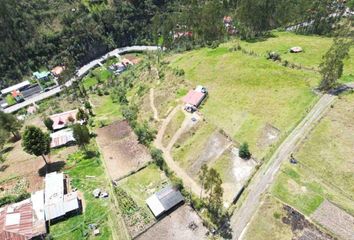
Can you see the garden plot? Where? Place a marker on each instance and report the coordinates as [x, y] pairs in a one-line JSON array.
[[121, 150], [132, 193], [183, 223], [335, 219]]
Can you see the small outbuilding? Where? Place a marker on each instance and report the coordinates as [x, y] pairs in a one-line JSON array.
[[295, 49], [194, 98], [164, 200], [57, 71], [62, 137]]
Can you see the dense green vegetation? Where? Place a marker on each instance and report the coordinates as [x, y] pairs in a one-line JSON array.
[[39, 33]]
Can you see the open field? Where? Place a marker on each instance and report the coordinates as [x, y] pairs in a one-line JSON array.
[[325, 164], [138, 187], [314, 47], [175, 226], [105, 109], [275, 221], [121, 150], [248, 94]]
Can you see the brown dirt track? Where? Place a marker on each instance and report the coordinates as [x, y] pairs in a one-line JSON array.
[[121, 150]]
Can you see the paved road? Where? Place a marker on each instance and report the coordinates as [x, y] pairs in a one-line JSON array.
[[188, 181], [80, 73], [267, 173]]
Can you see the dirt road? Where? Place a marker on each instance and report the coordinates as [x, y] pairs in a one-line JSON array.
[[152, 105], [188, 182], [266, 174]]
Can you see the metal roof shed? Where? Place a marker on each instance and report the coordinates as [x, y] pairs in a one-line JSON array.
[[164, 200], [15, 87]]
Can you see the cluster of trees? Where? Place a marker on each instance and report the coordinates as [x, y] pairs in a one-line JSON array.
[[9, 125], [35, 34], [46, 33]]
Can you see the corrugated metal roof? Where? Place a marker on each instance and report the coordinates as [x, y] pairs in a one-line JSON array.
[[56, 203], [61, 138], [54, 187], [15, 87], [164, 200], [19, 221]]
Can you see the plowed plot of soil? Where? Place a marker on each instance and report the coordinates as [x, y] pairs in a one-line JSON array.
[[182, 223], [121, 150], [335, 219]]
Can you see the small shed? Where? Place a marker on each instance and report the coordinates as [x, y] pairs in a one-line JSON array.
[[295, 49], [62, 138], [164, 200]]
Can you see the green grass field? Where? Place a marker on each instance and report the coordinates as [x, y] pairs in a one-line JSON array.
[[326, 163], [190, 145], [105, 109], [96, 76], [96, 211], [247, 92], [314, 47]]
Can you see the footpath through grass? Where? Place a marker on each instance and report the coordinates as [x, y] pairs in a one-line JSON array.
[[246, 93]]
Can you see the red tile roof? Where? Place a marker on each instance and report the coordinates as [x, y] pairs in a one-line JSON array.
[[194, 98]]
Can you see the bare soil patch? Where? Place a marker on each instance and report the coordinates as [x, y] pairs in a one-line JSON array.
[[335, 220], [31, 168], [121, 150], [213, 149], [269, 136], [183, 223], [303, 229]]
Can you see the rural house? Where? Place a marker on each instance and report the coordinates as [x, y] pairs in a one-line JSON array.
[[23, 220], [194, 98], [61, 120], [57, 71], [57, 202], [164, 200]]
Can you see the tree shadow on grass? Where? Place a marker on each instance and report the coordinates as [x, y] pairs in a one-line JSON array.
[[51, 167], [3, 167]]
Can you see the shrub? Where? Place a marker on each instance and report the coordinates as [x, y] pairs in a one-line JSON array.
[[273, 56], [244, 151]]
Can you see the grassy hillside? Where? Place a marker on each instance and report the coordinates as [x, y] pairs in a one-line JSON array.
[[326, 164], [314, 47], [248, 93]]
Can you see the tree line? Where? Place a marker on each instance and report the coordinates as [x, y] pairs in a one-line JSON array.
[[41, 33]]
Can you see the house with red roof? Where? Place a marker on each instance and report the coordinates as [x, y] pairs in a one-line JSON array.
[[194, 98], [62, 120]]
